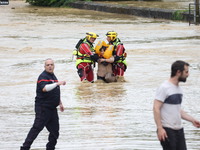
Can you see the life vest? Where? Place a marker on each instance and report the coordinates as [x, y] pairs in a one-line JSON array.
[[108, 52], [122, 59], [98, 47], [123, 56], [82, 57], [116, 42]]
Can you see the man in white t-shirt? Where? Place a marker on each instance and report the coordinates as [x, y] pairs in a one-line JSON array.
[[167, 109]]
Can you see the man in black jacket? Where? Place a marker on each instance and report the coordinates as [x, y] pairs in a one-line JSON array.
[[46, 100]]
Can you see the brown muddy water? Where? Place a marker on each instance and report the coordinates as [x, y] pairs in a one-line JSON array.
[[115, 116]]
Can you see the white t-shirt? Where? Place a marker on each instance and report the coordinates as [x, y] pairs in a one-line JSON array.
[[171, 96]]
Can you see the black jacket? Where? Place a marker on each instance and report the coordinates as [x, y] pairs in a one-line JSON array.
[[49, 99]]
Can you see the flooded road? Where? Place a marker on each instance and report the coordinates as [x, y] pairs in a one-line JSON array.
[[115, 116]]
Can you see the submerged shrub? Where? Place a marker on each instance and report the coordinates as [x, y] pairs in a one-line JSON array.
[[178, 15], [55, 3]]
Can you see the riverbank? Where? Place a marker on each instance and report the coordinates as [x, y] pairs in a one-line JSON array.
[[160, 13]]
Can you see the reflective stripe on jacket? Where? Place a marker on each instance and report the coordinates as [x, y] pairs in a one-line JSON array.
[[84, 51], [122, 57]]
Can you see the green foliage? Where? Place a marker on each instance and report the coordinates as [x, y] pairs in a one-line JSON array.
[[178, 15], [67, 2], [39, 2], [59, 3], [51, 3]]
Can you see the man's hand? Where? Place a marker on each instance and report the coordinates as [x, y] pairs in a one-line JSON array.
[[101, 60], [196, 123], [61, 107], [94, 57], [161, 133], [189, 118], [61, 83], [117, 58]]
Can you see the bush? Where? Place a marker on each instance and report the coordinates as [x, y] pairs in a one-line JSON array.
[[54, 3], [58, 3], [178, 15]]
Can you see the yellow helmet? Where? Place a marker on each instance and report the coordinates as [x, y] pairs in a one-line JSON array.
[[91, 35], [112, 35]]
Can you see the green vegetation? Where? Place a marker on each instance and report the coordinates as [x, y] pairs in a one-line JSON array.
[[178, 15], [51, 3], [59, 3]]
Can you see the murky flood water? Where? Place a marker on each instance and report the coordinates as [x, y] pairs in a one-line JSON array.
[[115, 116]]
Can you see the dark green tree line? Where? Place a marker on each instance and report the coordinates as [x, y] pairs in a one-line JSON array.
[[56, 3]]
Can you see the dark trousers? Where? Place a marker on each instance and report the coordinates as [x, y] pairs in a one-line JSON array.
[[44, 117], [175, 140]]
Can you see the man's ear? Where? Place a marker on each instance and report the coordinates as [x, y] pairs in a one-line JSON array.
[[178, 72]]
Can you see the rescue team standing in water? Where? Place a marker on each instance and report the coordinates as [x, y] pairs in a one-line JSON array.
[[111, 65]]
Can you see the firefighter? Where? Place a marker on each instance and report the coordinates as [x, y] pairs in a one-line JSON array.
[[119, 65], [86, 57]]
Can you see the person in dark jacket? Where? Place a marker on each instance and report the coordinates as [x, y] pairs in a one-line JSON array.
[[46, 101]]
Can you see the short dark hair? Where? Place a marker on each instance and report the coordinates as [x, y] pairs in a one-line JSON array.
[[103, 48], [178, 65]]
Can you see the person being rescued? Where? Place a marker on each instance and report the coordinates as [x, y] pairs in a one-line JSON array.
[[86, 57], [105, 72], [119, 65]]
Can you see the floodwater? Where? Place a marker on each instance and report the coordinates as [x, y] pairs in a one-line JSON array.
[[99, 116]]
